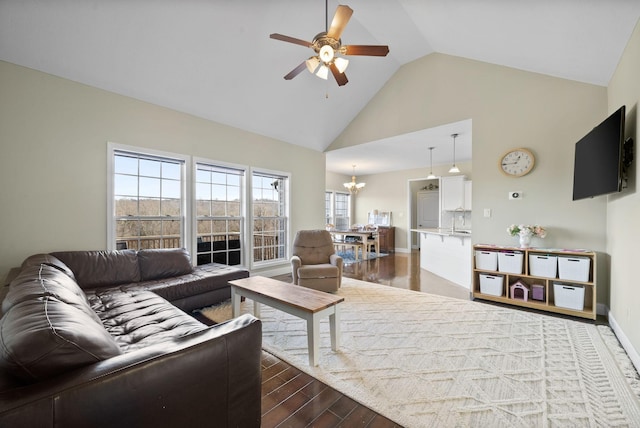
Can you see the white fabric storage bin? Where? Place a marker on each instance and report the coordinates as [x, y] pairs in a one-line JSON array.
[[568, 296], [492, 284], [510, 262], [574, 268], [543, 265], [486, 260]]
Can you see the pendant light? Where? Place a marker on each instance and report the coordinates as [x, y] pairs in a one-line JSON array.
[[431, 176], [454, 169]]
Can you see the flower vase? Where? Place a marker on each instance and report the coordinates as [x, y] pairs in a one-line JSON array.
[[525, 241]]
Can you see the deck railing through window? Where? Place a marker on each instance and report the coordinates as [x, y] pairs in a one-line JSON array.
[[264, 244]]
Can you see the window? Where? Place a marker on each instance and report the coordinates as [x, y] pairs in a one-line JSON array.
[[337, 209], [148, 201], [219, 214], [269, 216], [156, 197]]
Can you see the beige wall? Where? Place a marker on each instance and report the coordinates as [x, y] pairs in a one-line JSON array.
[[53, 160], [509, 108], [623, 210]]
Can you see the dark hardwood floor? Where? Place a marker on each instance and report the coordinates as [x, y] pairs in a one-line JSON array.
[[291, 398]]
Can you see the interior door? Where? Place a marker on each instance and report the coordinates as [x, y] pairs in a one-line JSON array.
[[428, 209]]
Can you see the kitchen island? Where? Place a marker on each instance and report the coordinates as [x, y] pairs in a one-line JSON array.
[[447, 253]]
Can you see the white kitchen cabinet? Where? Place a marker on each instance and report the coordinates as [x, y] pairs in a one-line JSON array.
[[452, 193], [467, 195]]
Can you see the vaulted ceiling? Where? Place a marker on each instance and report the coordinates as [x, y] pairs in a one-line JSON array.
[[214, 59]]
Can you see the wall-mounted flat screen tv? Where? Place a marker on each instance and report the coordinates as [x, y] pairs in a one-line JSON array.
[[598, 159]]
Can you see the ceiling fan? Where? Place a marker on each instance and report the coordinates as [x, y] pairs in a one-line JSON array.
[[327, 45]]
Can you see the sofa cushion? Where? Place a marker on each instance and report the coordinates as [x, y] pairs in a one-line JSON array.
[[44, 337], [165, 263], [203, 279], [323, 270], [47, 259], [101, 268], [138, 318], [37, 282]]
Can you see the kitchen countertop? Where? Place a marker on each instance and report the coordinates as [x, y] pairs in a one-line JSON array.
[[444, 231]]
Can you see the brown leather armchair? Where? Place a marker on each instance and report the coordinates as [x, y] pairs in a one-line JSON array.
[[314, 263]]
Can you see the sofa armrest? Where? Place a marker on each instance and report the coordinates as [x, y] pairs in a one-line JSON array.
[[212, 375], [296, 262], [338, 261]]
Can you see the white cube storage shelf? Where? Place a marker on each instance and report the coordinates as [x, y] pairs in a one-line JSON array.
[[574, 268], [491, 284], [543, 265], [561, 281], [486, 260], [568, 296], [510, 261]]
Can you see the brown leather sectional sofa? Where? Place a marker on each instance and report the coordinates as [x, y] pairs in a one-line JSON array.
[[97, 339]]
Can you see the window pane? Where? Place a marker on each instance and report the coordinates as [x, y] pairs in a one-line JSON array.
[[171, 189], [203, 208], [204, 227], [203, 176], [125, 185], [125, 165], [171, 171], [171, 207], [233, 209], [149, 207], [149, 168], [150, 187], [203, 191], [126, 207]]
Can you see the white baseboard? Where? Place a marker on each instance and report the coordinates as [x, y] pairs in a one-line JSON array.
[[624, 341]]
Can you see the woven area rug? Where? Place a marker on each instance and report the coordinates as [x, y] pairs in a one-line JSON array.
[[349, 256], [430, 361]]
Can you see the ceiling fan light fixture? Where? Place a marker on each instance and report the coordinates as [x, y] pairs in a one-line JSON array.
[[341, 64], [312, 64], [326, 54], [323, 72]]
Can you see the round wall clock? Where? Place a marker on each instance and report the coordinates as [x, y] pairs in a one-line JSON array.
[[517, 162]]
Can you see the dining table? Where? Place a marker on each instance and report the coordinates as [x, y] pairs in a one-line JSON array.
[[339, 240]]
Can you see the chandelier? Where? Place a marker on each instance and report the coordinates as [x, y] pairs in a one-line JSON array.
[[352, 186]]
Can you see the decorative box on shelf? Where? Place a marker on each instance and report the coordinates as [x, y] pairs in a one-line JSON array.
[[574, 268], [510, 261], [491, 284], [487, 260]]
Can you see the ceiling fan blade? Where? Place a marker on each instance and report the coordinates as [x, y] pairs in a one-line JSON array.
[[341, 78], [293, 73], [340, 20], [291, 40], [369, 50]]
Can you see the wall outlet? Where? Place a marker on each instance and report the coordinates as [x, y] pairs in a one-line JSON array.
[[517, 194], [487, 212]]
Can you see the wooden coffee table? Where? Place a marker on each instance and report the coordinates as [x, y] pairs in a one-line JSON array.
[[310, 305]]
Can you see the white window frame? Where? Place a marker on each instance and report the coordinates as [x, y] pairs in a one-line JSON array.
[[252, 218], [246, 241], [332, 216], [112, 149]]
